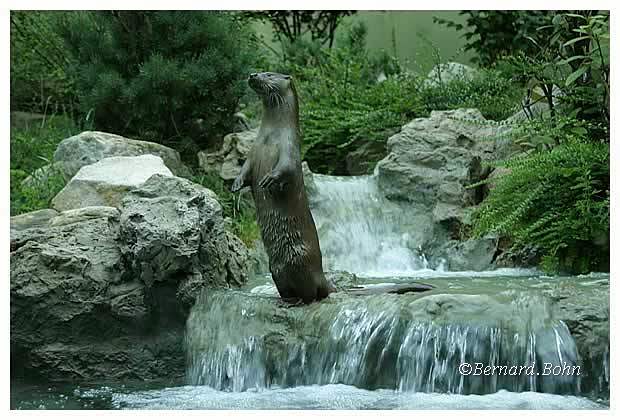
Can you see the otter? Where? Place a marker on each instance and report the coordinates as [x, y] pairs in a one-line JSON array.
[[273, 171]]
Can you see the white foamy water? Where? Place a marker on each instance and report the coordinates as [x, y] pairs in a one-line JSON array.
[[342, 397], [360, 231]]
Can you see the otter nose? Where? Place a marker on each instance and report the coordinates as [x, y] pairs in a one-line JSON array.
[[253, 75]]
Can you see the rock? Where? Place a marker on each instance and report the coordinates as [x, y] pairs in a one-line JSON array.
[[90, 147], [470, 255], [536, 105], [447, 72], [430, 165], [172, 228], [432, 160], [36, 218], [83, 305], [60, 282], [106, 182], [228, 160], [242, 123], [84, 214], [362, 160], [585, 310], [119, 359], [383, 341]]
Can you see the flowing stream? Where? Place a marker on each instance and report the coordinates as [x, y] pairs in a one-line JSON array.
[[246, 349]]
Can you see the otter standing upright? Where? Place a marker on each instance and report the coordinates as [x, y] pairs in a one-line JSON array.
[[273, 170]]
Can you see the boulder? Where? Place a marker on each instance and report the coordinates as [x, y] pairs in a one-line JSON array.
[[362, 160], [36, 218], [88, 300], [584, 307], [61, 280], [535, 105], [433, 159], [228, 160], [90, 147], [106, 182], [447, 72], [429, 166], [172, 228], [469, 255]]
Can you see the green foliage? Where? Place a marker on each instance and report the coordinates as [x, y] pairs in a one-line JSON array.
[[490, 91], [493, 34], [342, 105], [238, 208], [39, 82], [173, 77], [31, 149], [569, 66], [558, 200]]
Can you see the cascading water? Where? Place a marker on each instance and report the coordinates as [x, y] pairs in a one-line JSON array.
[[238, 341], [242, 340], [360, 231]]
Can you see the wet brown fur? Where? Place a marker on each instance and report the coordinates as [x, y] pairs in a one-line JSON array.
[[273, 171]]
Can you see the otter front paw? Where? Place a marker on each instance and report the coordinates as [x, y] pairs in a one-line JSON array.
[[271, 181], [237, 184]]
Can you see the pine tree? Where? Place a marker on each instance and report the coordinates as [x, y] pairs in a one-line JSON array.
[[155, 74]]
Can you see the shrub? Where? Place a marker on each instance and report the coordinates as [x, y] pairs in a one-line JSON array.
[[555, 199], [31, 149], [173, 77], [39, 82], [343, 106], [495, 95]]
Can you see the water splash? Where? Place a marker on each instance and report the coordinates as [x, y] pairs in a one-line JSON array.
[[238, 341], [360, 231]]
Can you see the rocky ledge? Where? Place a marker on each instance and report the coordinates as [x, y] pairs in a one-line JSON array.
[[100, 292]]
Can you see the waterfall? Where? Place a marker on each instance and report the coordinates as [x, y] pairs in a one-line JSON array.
[[238, 341], [361, 231], [242, 340]]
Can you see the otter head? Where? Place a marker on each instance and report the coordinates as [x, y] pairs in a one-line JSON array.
[[275, 89]]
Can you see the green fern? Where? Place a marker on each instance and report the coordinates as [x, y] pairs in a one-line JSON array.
[[555, 199]]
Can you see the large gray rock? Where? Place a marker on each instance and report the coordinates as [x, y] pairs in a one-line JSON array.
[[228, 160], [584, 307], [61, 282], [106, 182], [83, 305], [36, 218], [90, 147], [469, 255], [433, 159], [430, 165], [172, 228]]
